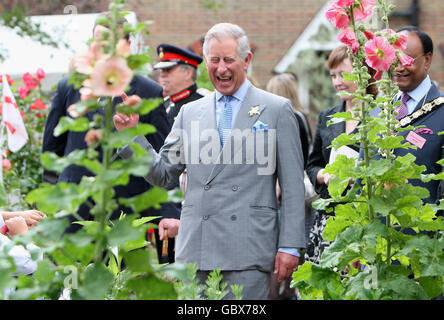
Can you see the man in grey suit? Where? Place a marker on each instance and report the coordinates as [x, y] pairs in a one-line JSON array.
[[235, 143]]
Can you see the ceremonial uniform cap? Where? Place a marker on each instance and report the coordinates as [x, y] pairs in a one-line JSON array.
[[170, 55]]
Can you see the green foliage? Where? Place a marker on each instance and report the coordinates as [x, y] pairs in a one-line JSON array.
[[373, 214], [105, 259], [26, 170]]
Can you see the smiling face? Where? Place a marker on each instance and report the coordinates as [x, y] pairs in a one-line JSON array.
[[408, 78], [174, 80], [338, 81], [226, 69]]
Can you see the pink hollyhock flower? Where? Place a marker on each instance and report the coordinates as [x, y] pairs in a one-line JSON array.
[[378, 75], [23, 92], [337, 16], [6, 164], [84, 62], [401, 43], [364, 10], [380, 54], [405, 60], [368, 34], [110, 77], [348, 37], [29, 80], [345, 3], [40, 74]]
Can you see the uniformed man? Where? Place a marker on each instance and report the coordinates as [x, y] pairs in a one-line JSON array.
[[178, 72]]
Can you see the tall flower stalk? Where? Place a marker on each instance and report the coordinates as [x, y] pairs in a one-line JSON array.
[[379, 192]]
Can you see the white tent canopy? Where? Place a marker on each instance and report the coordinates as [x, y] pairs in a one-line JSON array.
[[26, 55]]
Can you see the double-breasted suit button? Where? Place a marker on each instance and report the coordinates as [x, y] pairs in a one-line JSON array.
[[206, 188], [235, 188], [233, 217], [205, 217]]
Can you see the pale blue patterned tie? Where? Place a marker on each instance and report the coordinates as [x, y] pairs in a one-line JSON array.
[[225, 121]]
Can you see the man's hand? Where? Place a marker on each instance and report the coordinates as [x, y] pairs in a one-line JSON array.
[[172, 225], [323, 177], [284, 265], [32, 217], [16, 225], [122, 121]]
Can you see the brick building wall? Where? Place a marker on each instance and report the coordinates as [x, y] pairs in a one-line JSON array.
[[273, 26]]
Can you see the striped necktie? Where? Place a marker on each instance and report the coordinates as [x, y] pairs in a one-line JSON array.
[[225, 121], [403, 110]]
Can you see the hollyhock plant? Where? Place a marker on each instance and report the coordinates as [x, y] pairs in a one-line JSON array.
[[380, 54], [348, 37], [84, 62], [345, 3], [337, 16], [110, 77], [363, 10], [400, 43], [404, 59]]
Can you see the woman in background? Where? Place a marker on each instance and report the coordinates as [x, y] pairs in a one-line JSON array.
[[285, 85], [338, 63]]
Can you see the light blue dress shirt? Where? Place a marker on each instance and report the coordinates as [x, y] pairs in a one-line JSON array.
[[236, 103]]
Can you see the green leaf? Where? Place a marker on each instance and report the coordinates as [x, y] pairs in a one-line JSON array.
[[69, 124], [51, 229], [123, 231], [97, 281], [51, 198], [428, 254], [152, 288], [136, 61], [3, 201], [345, 249], [45, 271], [144, 107], [121, 138], [432, 285], [138, 261], [152, 198], [78, 157], [349, 77]]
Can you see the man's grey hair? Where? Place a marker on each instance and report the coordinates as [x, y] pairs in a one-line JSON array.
[[230, 30], [185, 67]]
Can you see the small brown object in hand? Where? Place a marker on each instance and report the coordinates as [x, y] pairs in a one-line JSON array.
[[165, 244]]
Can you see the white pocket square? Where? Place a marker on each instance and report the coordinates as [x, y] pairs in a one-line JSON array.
[[259, 126]]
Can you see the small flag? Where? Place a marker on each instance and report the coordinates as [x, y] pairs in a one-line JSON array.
[[12, 120]]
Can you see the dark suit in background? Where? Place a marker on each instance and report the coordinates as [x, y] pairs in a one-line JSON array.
[[64, 144], [432, 151]]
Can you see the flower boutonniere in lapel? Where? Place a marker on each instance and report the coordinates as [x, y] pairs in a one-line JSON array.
[[254, 111]]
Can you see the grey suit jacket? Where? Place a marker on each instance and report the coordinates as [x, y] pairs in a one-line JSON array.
[[229, 218]]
